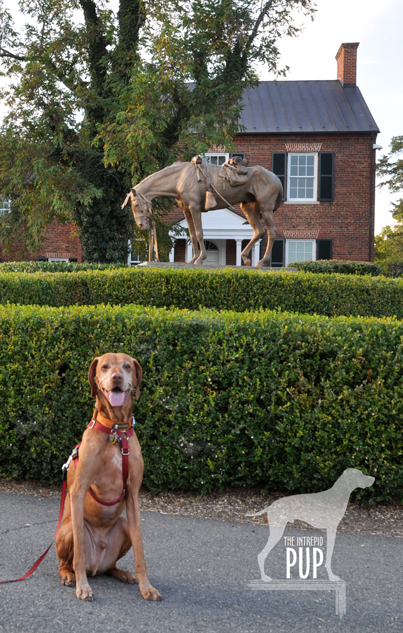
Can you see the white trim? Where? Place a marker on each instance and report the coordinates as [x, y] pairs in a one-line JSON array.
[[238, 252], [315, 178], [208, 155], [287, 249], [58, 259]]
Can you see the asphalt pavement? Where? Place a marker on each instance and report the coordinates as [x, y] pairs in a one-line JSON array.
[[203, 569]]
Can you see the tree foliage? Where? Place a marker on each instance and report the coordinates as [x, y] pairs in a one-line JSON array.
[[100, 98], [389, 243]]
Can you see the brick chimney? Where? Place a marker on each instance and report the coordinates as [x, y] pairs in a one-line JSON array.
[[347, 63]]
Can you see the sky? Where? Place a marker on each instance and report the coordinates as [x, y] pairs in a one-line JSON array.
[[378, 27]]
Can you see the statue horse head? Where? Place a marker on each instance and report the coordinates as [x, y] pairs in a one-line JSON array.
[[142, 209]]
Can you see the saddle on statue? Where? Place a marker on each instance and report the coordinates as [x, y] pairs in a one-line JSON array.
[[233, 171]]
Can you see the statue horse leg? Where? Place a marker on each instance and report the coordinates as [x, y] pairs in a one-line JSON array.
[[252, 213], [195, 211], [192, 232], [271, 235]]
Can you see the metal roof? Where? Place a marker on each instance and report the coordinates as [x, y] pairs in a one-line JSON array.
[[305, 106]]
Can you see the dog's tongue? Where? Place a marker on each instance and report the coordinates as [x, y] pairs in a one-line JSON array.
[[116, 398]]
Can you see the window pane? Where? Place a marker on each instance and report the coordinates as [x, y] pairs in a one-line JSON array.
[[300, 250], [302, 177]]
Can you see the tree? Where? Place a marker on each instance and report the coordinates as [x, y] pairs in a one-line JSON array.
[[99, 99], [389, 243]]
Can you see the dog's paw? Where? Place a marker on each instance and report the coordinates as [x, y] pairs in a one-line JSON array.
[[69, 579], [126, 576], [151, 594], [85, 593]]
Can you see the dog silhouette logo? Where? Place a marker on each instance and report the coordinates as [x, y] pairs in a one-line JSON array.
[[323, 511]]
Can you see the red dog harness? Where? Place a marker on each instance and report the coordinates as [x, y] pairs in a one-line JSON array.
[[115, 432]]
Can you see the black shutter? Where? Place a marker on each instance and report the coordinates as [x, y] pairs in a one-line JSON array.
[[277, 254], [326, 176], [324, 249], [279, 167], [41, 259]]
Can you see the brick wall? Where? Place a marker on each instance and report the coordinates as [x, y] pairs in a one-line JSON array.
[[61, 242], [349, 219]]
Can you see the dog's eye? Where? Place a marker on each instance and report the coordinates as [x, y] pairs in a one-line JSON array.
[[105, 366], [126, 366]]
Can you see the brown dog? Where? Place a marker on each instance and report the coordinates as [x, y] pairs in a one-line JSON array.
[[93, 535]]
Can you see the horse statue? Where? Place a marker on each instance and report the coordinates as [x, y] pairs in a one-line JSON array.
[[199, 186]]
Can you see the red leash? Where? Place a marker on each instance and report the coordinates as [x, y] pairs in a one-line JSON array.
[[38, 562]]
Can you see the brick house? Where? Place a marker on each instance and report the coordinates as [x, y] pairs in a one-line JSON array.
[[319, 137]]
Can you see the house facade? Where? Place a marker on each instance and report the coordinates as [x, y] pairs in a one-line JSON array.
[[319, 137]]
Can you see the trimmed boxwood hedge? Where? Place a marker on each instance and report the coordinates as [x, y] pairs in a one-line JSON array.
[[342, 266], [329, 295], [54, 267], [279, 400]]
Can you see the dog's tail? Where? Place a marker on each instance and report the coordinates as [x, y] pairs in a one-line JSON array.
[[256, 514]]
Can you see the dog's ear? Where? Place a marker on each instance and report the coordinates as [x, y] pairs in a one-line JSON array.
[[91, 377], [138, 375]]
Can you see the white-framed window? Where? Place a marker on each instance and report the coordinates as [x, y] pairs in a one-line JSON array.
[[58, 259], [5, 205], [137, 252], [216, 158], [302, 179], [300, 251]]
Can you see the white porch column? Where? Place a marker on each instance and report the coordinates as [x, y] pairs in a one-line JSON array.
[[256, 253], [189, 252], [129, 257], [238, 252], [172, 255]]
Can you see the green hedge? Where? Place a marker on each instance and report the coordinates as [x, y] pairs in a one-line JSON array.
[[393, 270], [228, 399], [53, 267], [340, 266], [329, 295]]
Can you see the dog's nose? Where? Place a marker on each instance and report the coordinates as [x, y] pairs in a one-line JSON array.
[[116, 377]]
